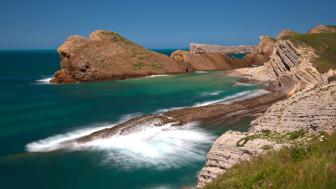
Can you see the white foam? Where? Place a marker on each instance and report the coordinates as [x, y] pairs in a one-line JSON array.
[[54, 142], [163, 75], [244, 84], [44, 80], [214, 93], [236, 97], [161, 147], [169, 109], [201, 72]]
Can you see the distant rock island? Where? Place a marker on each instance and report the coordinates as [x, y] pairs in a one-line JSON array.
[[106, 55]]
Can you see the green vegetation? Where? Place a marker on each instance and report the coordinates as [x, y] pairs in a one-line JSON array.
[[279, 138], [324, 45], [308, 167]]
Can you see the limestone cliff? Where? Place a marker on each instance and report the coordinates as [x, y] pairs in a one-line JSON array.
[[297, 61], [308, 112], [107, 55], [302, 66]]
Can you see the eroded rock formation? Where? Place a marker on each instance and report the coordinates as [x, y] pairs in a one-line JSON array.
[[107, 55], [290, 68], [311, 110], [217, 57]]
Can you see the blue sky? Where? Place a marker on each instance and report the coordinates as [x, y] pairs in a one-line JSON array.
[[157, 23]]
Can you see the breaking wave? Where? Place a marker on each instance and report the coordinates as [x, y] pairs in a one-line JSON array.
[[161, 147]]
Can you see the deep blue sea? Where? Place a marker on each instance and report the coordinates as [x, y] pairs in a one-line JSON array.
[[34, 115]]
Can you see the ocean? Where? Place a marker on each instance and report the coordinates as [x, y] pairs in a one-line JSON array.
[[34, 115]]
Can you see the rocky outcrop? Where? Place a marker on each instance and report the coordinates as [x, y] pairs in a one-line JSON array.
[[206, 48], [226, 152], [307, 112], [207, 61], [107, 55], [312, 109], [323, 29], [290, 68], [216, 57], [284, 34]]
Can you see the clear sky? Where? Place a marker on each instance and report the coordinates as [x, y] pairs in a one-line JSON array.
[[157, 23]]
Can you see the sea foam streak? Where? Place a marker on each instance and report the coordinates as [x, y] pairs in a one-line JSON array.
[[45, 80], [162, 75], [161, 147], [235, 97], [228, 99], [53, 142]]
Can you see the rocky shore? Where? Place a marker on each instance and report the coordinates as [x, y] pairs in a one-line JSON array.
[[310, 109], [302, 101]]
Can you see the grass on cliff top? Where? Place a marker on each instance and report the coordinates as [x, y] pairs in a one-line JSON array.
[[325, 47], [313, 167]]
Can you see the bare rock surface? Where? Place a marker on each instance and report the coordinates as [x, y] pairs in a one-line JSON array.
[[225, 153], [206, 48], [106, 55], [312, 110], [290, 68]]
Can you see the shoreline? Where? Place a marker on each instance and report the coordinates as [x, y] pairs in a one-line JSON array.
[[227, 110]]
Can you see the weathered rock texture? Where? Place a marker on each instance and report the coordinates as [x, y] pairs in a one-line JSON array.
[[290, 68], [106, 55], [216, 57], [313, 110], [205, 48], [225, 153]]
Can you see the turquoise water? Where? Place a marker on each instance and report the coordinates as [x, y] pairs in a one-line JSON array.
[[32, 110]]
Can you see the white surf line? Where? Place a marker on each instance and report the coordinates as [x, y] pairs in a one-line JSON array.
[[151, 146], [162, 75], [45, 80], [238, 97], [53, 143], [253, 94]]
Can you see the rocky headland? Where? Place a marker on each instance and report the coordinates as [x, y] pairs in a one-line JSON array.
[[300, 103], [299, 68], [106, 55]]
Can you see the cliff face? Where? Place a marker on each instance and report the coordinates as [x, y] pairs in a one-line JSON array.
[[293, 66], [302, 66], [307, 112], [107, 55], [207, 61], [216, 57]]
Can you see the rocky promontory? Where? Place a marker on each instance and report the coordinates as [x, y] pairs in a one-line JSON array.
[[297, 60], [301, 66], [106, 55]]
